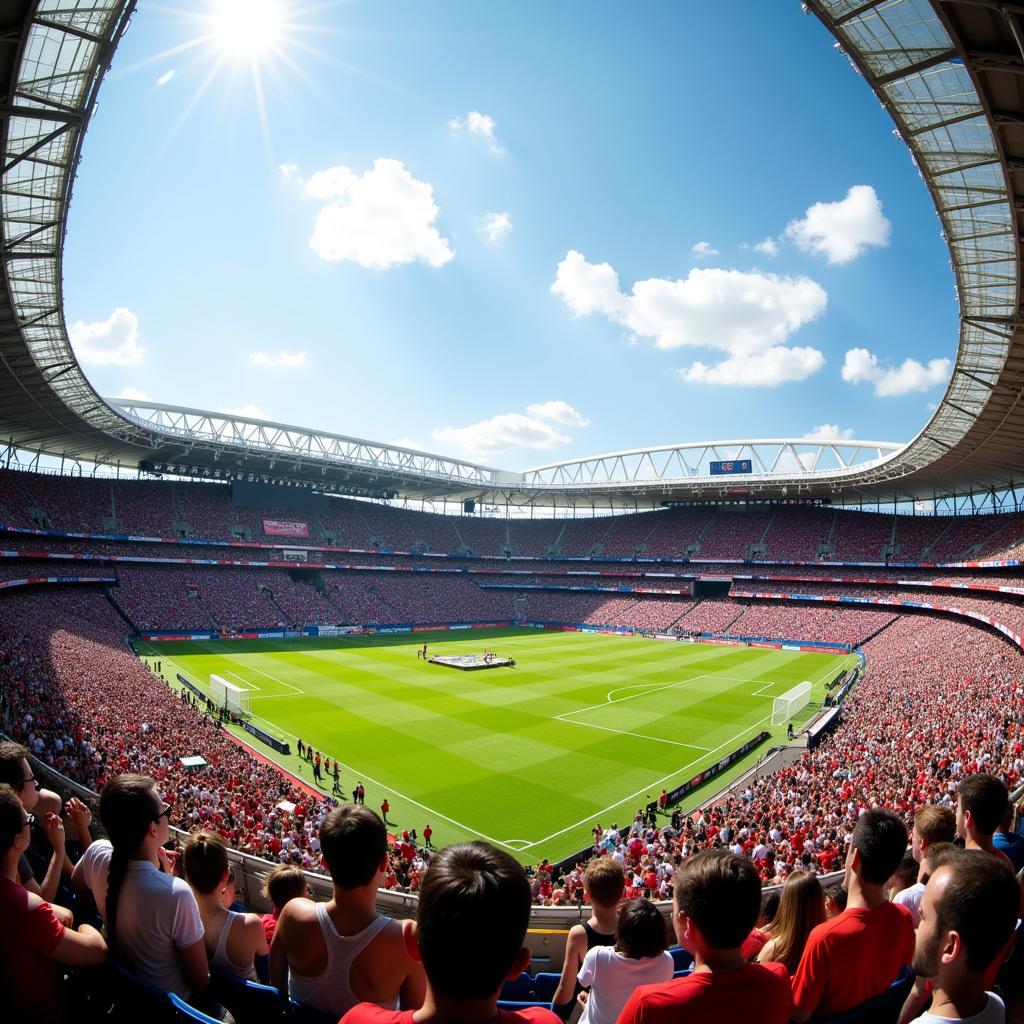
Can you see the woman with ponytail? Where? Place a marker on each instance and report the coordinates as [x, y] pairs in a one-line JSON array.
[[152, 920], [235, 943]]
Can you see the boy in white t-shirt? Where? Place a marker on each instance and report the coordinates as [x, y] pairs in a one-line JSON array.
[[638, 957], [968, 912]]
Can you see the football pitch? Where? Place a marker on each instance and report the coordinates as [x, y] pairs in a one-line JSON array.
[[584, 730]]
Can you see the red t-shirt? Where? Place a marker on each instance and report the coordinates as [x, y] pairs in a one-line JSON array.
[[28, 977], [853, 957], [371, 1013], [758, 989], [269, 923]]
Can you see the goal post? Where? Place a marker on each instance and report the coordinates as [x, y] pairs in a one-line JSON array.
[[228, 695], [791, 703]]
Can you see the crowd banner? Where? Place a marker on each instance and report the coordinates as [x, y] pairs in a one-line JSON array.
[[284, 528]]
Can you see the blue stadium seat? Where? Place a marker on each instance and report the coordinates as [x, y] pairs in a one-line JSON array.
[[308, 1015], [189, 1014], [544, 986], [682, 974], [518, 990], [680, 958], [881, 1009], [513, 1004], [248, 1001], [132, 999]]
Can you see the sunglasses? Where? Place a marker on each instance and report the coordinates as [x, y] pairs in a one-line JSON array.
[[165, 810], [33, 780]]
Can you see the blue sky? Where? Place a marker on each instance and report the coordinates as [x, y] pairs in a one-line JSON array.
[[516, 233]]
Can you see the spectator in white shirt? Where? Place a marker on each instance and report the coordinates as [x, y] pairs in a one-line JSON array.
[[638, 957], [968, 913]]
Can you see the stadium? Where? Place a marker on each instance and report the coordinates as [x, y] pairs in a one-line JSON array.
[[739, 645]]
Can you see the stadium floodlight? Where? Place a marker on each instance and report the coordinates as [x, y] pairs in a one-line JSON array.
[[228, 695], [791, 703]]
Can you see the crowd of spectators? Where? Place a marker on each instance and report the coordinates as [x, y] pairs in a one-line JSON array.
[[76, 696]]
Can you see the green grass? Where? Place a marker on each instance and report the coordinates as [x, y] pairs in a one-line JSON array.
[[585, 730]]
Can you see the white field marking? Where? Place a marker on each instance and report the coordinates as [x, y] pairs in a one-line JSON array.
[[482, 835], [516, 844], [758, 693], [278, 696], [253, 668], [646, 789], [654, 688], [244, 682], [652, 785], [635, 735]]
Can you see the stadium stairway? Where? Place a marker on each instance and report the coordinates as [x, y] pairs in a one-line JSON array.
[[120, 611], [926, 551]]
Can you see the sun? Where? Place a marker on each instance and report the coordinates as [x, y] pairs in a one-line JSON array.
[[247, 29]]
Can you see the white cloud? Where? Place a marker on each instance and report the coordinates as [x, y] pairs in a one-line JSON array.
[[842, 230], [501, 433], [496, 226], [408, 442], [290, 174], [769, 247], [748, 316], [114, 341], [284, 359], [379, 219], [130, 394], [828, 432], [165, 77], [910, 375], [704, 249], [478, 124], [558, 412], [249, 411], [767, 369]]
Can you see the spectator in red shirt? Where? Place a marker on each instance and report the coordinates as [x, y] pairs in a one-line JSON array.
[[968, 914], [473, 911], [859, 953], [285, 882], [980, 806], [33, 942], [716, 903]]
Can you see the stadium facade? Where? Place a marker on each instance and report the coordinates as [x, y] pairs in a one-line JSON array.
[[948, 74]]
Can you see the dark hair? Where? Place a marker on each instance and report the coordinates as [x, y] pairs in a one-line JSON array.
[[286, 882], [12, 817], [353, 841], [939, 854], [880, 837], [641, 930], [605, 880], [128, 807], [770, 905], [906, 871], [473, 912], [985, 797], [721, 893], [205, 859], [935, 824], [980, 902], [837, 894], [11, 756]]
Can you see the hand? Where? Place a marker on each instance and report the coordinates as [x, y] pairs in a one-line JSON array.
[[582, 999], [55, 831], [168, 861], [79, 813]]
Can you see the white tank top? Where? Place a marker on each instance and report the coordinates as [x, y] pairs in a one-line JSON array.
[[220, 955], [331, 992]]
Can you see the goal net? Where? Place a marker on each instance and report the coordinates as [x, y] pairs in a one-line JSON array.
[[791, 703], [227, 695]]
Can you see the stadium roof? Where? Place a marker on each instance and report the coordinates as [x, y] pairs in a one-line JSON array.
[[950, 74]]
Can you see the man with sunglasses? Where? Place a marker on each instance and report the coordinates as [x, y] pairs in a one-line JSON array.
[[34, 942], [16, 772]]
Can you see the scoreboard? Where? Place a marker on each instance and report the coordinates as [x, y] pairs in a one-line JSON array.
[[731, 468]]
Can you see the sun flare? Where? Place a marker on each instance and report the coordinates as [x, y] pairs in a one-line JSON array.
[[247, 29]]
